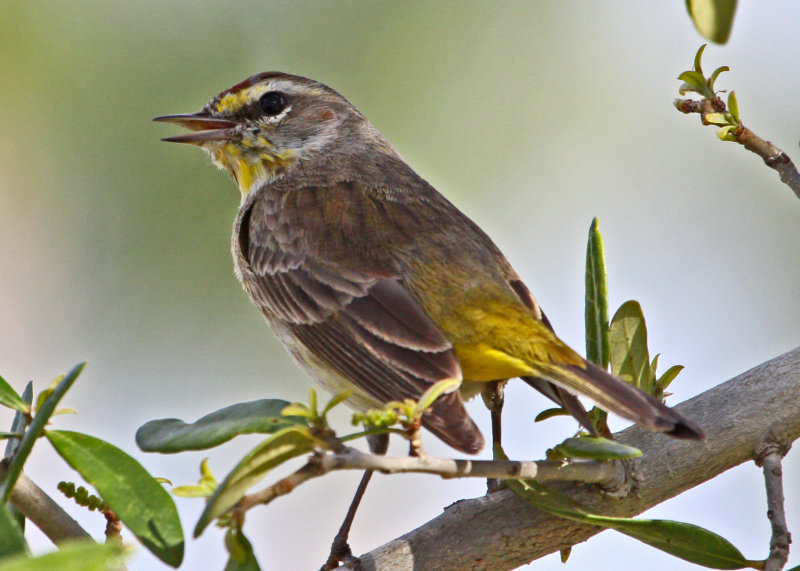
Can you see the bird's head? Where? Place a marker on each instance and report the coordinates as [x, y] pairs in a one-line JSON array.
[[260, 128]]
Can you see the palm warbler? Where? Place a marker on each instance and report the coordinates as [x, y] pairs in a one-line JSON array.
[[373, 280]]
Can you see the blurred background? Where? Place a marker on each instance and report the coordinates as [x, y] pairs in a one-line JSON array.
[[533, 117]]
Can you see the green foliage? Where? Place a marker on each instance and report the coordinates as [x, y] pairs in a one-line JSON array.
[[136, 498], [287, 443], [75, 556], [695, 81], [205, 485], [172, 435], [12, 540], [240, 551], [35, 430], [596, 312], [592, 448], [630, 359], [712, 18], [686, 541], [9, 398]]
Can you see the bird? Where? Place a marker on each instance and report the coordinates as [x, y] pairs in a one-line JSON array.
[[373, 280], [376, 283]]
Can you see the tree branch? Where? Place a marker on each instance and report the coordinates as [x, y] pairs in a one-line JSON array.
[[770, 460], [772, 156], [44, 512], [739, 416], [611, 475]]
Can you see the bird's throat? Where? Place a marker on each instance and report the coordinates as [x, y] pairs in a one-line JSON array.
[[251, 169]]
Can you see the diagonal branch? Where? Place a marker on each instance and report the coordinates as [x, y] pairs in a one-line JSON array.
[[739, 416], [772, 156]]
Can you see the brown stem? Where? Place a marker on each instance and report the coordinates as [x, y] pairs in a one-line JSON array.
[[770, 460]]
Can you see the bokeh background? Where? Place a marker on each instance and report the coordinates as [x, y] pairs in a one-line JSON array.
[[533, 117]]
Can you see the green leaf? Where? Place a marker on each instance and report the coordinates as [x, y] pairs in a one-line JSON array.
[[136, 498], [683, 540], [74, 556], [628, 343], [698, 59], [10, 398], [20, 421], [669, 375], [284, 445], [717, 119], [593, 448], [695, 80], [714, 75], [550, 413], [241, 553], [434, 392], [686, 541], [171, 435], [733, 105], [35, 430], [596, 311], [12, 540], [336, 400], [725, 133], [712, 18]]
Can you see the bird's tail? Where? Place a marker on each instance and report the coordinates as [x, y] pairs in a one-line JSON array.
[[623, 399], [450, 421]]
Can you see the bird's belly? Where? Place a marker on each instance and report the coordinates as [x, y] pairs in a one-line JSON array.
[[320, 371]]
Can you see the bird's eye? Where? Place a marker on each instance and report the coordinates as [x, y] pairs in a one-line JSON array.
[[272, 103]]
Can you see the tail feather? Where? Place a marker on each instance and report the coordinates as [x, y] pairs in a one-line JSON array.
[[614, 395], [450, 421]]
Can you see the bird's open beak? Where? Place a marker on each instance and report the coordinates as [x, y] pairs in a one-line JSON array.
[[206, 128]]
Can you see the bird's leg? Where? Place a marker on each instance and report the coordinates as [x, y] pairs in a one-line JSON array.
[[340, 549], [493, 398]]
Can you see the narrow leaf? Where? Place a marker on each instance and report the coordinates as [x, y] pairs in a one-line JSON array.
[[717, 119], [242, 557], [336, 400], [668, 376], [595, 448], [136, 498], [596, 310], [12, 540], [715, 74], [20, 421], [284, 445], [74, 556], [35, 430], [171, 435], [694, 79], [10, 398], [628, 343], [686, 541], [712, 18], [550, 413], [435, 391], [698, 59], [733, 105], [683, 540]]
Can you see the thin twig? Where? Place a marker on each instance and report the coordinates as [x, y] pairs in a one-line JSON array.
[[45, 513], [770, 460], [772, 156], [607, 474]]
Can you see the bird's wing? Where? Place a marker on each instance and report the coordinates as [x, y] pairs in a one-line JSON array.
[[312, 264]]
